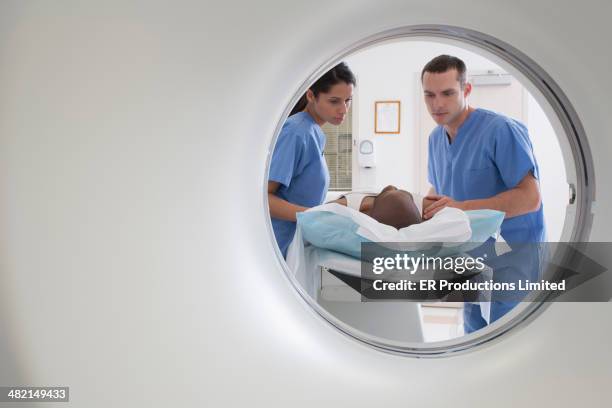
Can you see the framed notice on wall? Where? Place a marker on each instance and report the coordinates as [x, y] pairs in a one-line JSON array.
[[387, 117]]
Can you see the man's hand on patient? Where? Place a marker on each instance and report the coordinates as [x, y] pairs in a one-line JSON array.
[[436, 203]]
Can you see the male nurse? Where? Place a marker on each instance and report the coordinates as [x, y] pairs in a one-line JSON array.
[[479, 159]]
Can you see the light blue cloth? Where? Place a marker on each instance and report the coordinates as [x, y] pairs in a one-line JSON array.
[[328, 230], [490, 154], [299, 166], [338, 233]]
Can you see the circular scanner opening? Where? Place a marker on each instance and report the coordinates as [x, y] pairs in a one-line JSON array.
[[388, 115]]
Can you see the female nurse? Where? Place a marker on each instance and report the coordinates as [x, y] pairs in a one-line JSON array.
[[298, 176]]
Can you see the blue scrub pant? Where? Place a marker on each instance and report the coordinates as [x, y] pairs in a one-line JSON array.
[[473, 320], [523, 262]]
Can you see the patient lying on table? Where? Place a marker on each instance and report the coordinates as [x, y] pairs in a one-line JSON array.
[[391, 206]]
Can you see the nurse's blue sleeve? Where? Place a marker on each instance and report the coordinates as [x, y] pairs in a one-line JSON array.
[[514, 154], [431, 176], [285, 158]]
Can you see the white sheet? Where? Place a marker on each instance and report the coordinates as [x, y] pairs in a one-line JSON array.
[[449, 225]]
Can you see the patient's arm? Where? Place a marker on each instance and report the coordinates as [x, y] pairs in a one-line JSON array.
[[366, 203], [341, 201]]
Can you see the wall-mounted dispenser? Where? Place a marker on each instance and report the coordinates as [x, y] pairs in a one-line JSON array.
[[366, 154]]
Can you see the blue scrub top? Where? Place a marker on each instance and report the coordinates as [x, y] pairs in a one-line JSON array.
[[491, 153], [299, 166]]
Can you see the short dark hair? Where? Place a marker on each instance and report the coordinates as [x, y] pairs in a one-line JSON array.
[[395, 208], [339, 73], [443, 63]]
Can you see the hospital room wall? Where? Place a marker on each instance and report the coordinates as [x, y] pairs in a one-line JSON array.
[[391, 72]]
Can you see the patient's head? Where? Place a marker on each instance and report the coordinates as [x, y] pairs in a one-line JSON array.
[[395, 207]]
